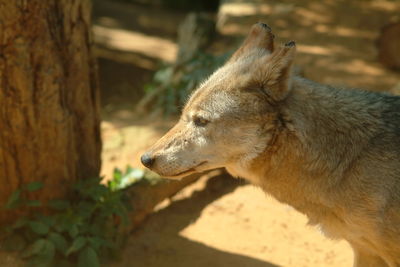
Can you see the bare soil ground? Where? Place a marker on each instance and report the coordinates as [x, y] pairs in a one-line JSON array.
[[223, 221]]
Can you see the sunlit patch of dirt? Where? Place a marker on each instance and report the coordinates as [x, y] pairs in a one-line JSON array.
[[124, 40], [123, 143]]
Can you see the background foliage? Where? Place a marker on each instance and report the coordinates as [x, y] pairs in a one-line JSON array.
[[177, 83]]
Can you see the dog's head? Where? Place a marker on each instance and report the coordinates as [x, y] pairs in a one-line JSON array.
[[233, 116]]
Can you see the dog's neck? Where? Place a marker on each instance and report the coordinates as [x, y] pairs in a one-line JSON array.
[[332, 125], [325, 133]]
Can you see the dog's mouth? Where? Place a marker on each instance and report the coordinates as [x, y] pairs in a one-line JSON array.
[[193, 169]]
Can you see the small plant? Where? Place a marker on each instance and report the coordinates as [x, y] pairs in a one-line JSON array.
[[171, 85], [72, 231]]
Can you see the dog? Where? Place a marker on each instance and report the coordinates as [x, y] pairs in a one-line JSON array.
[[332, 154]]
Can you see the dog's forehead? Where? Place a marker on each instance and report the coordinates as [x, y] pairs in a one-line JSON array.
[[232, 73], [225, 79], [220, 90], [210, 103]]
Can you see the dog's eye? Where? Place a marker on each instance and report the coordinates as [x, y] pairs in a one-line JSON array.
[[199, 121]]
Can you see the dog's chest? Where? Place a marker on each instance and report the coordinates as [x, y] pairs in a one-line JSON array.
[[305, 199], [335, 223], [334, 227]]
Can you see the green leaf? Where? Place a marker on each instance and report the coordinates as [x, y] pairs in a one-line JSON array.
[[49, 248], [147, 88], [112, 184], [97, 243], [39, 227], [34, 203], [34, 186], [78, 243], [88, 258], [85, 209], [97, 228], [73, 231], [117, 174], [35, 248], [130, 176], [48, 251], [47, 220], [59, 241], [21, 222], [45, 256], [13, 200], [97, 192]]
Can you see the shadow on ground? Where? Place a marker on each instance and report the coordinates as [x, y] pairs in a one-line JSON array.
[[159, 242]]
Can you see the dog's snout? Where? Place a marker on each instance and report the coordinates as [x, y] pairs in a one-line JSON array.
[[147, 160]]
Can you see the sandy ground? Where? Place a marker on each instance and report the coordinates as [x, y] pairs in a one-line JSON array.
[[223, 221]]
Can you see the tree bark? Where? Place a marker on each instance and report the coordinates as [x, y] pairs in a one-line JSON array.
[[49, 97]]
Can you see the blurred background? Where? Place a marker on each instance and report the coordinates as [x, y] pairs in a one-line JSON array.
[[150, 55]]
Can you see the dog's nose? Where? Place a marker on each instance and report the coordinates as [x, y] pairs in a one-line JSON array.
[[147, 160]]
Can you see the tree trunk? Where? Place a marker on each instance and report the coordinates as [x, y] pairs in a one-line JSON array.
[[49, 102]]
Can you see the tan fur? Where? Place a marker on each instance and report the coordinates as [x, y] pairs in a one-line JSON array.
[[332, 154]]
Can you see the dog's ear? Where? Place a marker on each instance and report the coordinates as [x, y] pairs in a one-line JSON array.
[[274, 77], [260, 36]]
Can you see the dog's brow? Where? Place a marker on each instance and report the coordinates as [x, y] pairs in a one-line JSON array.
[[199, 113]]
